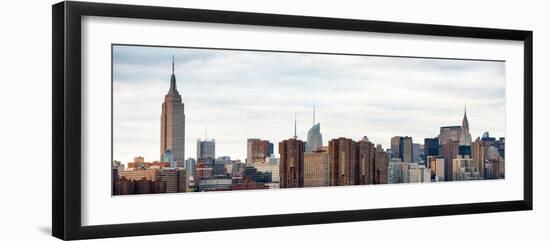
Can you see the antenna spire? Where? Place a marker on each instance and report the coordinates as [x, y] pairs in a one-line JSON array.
[[295, 136], [313, 113], [173, 78]]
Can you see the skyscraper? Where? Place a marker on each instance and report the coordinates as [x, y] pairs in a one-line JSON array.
[[437, 168], [431, 147], [343, 161], [396, 147], [314, 136], [172, 122], [206, 149], [258, 150], [447, 133], [366, 161], [478, 156], [449, 152], [402, 147], [381, 163], [465, 137], [291, 164]]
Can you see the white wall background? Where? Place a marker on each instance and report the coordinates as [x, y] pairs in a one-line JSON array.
[[25, 123]]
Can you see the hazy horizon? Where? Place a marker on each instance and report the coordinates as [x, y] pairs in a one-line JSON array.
[[236, 95]]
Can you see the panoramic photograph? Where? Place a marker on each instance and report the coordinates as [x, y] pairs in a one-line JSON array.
[[202, 119]]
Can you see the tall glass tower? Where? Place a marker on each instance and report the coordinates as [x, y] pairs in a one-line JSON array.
[[314, 136]]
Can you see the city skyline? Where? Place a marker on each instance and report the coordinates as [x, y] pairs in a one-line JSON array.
[[257, 94]]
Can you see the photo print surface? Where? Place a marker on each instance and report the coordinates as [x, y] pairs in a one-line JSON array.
[[197, 120]]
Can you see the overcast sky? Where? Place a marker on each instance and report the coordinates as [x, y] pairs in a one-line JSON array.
[[237, 95]]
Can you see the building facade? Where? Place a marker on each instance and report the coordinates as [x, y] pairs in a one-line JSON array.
[[316, 168]]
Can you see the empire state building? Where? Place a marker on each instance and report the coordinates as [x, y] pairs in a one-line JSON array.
[[172, 123]]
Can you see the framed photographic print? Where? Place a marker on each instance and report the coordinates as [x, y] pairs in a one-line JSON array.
[[172, 120]]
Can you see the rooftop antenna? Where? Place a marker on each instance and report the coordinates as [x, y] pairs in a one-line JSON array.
[[295, 136], [173, 63], [313, 113]]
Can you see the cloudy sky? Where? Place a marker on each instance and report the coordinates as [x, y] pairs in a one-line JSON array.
[[236, 95]]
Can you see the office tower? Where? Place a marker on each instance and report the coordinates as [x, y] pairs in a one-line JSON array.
[[416, 152], [366, 161], [343, 160], [395, 169], [431, 147], [464, 169], [206, 150], [396, 143], [449, 151], [407, 150], [291, 166], [381, 162], [402, 147], [314, 136], [437, 168], [190, 166], [172, 122], [449, 133], [478, 156], [316, 167], [465, 137], [258, 150]]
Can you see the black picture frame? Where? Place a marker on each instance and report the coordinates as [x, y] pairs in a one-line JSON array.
[[66, 127]]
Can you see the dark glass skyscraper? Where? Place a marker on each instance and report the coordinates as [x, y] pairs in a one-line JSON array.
[[431, 147]]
